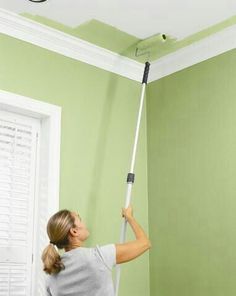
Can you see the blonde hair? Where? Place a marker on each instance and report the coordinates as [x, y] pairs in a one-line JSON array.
[[58, 228]]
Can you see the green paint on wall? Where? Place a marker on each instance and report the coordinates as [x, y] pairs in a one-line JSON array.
[[191, 118], [98, 122], [111, 38]]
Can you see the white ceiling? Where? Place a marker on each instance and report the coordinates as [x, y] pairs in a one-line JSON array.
[[177, 18]]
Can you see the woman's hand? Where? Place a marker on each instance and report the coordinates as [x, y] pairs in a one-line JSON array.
[[127, 213]]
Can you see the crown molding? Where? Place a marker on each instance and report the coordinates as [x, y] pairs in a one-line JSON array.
[[195, 53], [46, 37]]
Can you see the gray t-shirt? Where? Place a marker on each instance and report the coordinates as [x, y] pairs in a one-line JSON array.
[[88, 272]]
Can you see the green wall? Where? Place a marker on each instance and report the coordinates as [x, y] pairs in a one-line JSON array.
[[191, 126], [191, 180], [98, 121]]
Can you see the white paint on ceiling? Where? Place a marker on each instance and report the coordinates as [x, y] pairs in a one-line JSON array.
[[177, 18]]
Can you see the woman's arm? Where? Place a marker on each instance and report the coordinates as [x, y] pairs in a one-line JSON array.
[[130, 250]]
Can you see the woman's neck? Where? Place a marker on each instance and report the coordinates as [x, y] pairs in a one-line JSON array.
[[74, 245]]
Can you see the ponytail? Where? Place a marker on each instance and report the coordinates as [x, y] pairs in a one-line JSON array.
[[58, 229], [51, 260]]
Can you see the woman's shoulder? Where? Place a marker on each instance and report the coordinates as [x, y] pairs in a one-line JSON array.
[[107, 254]]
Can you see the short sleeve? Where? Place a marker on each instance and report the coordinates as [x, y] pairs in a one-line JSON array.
[[107, 254]]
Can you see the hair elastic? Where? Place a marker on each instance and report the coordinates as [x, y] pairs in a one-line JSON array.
[[54, 245]]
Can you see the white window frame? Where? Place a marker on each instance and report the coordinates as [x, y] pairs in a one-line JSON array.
[[50, 137]]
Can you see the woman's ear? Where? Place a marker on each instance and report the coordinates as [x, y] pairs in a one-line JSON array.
[[73, 232]]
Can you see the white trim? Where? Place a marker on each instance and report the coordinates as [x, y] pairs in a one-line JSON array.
[[24, 29], [195, 53], [46, 37]]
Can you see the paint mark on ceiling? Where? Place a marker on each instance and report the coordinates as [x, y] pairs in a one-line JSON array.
[[115, 40]]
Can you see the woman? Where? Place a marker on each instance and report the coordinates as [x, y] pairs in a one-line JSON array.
[[85, 271]]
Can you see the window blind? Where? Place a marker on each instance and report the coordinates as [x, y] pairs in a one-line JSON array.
[[18, 159]]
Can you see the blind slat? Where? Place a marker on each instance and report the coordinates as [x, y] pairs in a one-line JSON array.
[[18, 138]]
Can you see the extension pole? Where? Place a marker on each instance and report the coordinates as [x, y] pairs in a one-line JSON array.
[[131, 175]]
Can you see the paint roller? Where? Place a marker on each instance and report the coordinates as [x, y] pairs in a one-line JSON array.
[[143, 46], [131, 175]]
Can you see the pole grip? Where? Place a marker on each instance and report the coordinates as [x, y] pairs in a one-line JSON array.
[[130, 178], [146, 72]]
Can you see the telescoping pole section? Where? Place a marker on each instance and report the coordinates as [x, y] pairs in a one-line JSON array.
[[131, 175]]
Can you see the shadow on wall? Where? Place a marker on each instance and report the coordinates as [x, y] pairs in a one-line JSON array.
[[99, 157], [100, 154]]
